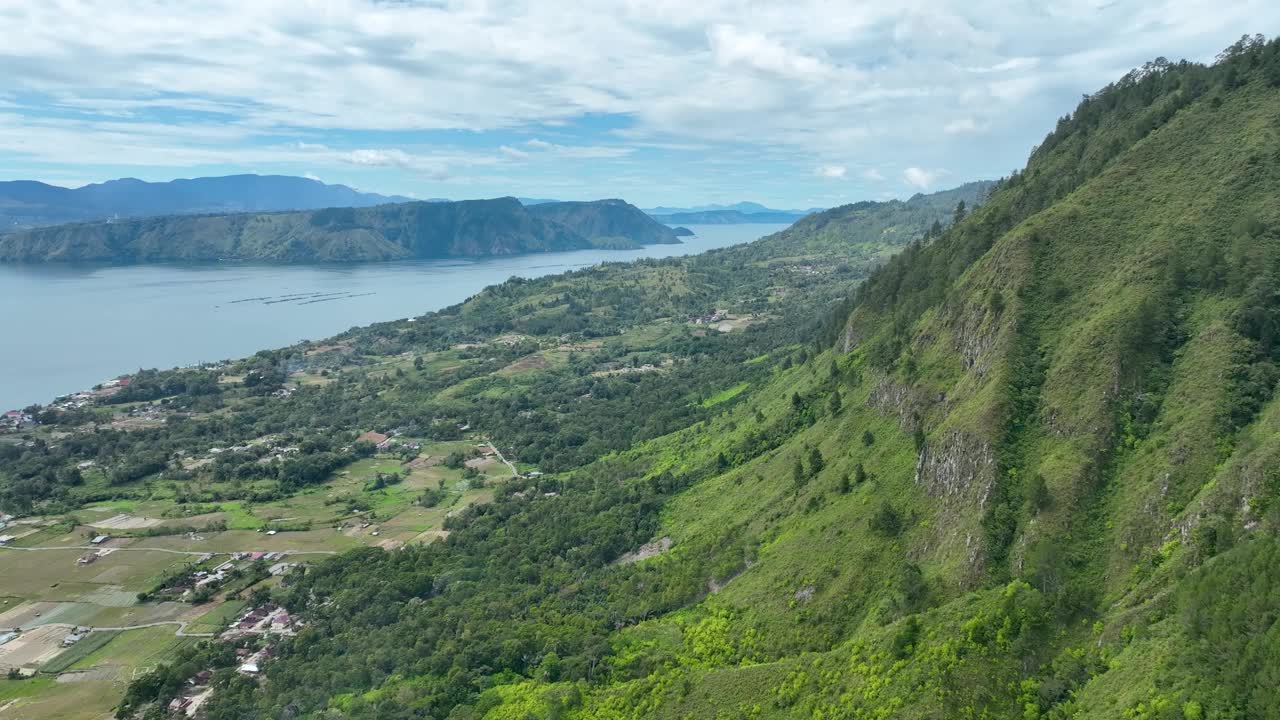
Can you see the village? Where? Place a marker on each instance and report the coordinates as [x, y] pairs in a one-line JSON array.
[[109, 591]]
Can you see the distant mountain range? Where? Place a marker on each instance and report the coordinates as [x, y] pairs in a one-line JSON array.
[[735, 214], [27, 203], [501, 226]]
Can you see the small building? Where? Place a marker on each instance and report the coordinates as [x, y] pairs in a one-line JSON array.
[[99, 539], [7, 636], [88, 558], [6, 538], [376, 438], [71, 639], [249, 668]]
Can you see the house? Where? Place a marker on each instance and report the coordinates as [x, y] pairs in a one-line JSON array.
[[282, 620], [202, 677], [99, 539], [249, 668], [88, 558], [376, 438], [179, 703], [72, 639], [6, 538]]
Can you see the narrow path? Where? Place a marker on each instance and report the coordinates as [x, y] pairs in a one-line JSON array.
[[181, 632], [514, 472], [166, 550]]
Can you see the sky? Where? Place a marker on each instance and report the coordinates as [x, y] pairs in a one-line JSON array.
[[795, 104]]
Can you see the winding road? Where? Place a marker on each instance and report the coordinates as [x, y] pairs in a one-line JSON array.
[[181, 632]]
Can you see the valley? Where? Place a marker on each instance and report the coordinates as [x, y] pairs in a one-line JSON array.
[[242, 478]]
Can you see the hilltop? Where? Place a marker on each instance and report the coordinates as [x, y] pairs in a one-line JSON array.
[[464, 228], [27, 203]]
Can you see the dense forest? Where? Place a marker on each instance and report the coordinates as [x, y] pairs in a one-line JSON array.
[[1023, 469]]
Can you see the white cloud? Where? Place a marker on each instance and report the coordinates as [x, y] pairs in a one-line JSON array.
[[832, 172], [873, 175], [380, 158], [961, 126], [739, 84], [578, 151], [732, 46], [921, 178]]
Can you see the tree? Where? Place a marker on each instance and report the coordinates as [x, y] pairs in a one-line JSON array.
[[816, 461], [868, 438], [959, 213], [886, 521], [835, 403], [1037, 494], [859, 474], [798, 476]]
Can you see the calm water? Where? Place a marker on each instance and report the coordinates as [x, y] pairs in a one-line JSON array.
[[66, 328]]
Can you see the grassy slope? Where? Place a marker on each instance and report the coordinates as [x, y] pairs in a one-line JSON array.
[[1081, 609]]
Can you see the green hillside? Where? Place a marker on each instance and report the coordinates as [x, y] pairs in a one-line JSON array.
[[1024, 469], [385, 232]]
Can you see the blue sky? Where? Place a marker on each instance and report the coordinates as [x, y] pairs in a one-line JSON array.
[[793, 104]]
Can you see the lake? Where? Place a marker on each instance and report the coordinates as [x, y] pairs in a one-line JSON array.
[[66, 328]]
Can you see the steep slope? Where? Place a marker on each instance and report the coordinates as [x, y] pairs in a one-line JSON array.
[[1046, 474], [26, 203], [385, 232]]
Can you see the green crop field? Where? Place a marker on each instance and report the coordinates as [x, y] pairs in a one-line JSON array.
[[78, 652]]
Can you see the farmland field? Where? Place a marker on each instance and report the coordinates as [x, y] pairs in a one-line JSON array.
[[48, 589]]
